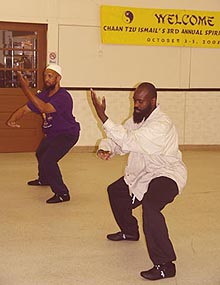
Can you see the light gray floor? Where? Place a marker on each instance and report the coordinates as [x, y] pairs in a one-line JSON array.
[[65, 244]]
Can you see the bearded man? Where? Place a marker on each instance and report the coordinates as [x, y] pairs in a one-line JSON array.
[[154, 176], [60, 128]]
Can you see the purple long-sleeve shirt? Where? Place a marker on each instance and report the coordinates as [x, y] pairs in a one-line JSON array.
[[62, 121]]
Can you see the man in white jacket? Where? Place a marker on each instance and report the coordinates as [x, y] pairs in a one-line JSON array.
[[155, 174]]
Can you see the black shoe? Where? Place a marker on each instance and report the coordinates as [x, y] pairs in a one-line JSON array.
[[160, 271], [58, 198], [120, 236], [36, 182]]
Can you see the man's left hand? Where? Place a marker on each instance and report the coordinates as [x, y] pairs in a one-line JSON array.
[[22, 79]]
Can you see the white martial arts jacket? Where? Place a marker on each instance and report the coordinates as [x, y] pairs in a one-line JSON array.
[[152, 148]]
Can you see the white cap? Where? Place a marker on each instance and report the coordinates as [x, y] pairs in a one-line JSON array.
[[55, 67]]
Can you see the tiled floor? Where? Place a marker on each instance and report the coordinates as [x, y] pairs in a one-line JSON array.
[[65, 244]]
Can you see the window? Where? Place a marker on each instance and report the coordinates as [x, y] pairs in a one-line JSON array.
[[18, 50]]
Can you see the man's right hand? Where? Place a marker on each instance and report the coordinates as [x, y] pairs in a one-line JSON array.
[[12, 124], [100, 106], [104, 154]]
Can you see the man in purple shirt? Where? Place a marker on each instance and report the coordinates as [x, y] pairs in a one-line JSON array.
[[61, 130]]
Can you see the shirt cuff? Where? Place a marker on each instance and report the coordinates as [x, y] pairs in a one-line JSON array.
[[108, 124]]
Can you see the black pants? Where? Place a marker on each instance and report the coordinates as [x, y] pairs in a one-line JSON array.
[[49, 152], [161, 191]]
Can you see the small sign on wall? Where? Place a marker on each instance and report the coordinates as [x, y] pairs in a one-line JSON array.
[[52, 57]]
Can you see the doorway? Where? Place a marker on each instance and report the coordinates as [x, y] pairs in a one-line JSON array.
[[24, 46]]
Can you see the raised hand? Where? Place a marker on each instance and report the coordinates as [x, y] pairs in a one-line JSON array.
[[100, 106], [22, 79]]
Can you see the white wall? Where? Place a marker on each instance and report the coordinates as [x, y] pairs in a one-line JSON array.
[[74, 34]]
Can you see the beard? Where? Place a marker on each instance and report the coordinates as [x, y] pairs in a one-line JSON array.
[[49, 87], [138, 117]]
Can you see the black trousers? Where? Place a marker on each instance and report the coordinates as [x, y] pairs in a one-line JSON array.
[[49, 152], [161, 191]]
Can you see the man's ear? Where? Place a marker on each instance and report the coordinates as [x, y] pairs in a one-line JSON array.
[[153, 101], [59, 78]]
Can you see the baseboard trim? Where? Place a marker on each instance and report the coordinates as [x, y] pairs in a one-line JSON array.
[[201, 147], [84, 149], [90, 149]]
